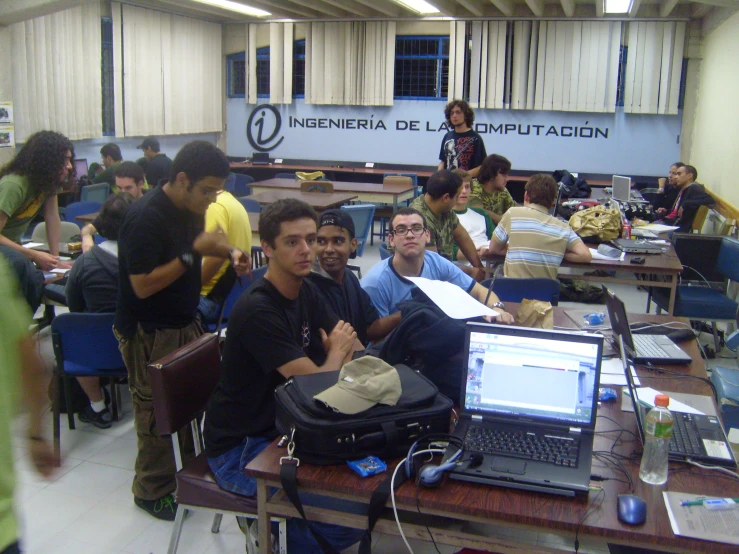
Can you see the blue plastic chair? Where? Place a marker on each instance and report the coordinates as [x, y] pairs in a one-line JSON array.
[[363, 216], [229, 183], [84, 346], [80, 208], [509, 289], [384, 252], [241, 182], [251, 205], [95, 193], [241, 285]]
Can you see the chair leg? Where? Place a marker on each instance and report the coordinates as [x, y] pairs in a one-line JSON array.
[[282, 536], [716, 340], [68, 399], [55, 399], [216, 523], [114, 399], [174, 539]]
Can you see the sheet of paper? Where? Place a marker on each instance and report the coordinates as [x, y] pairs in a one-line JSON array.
[[647, 394], [616, 379], [452, 300], [598, 256], [61, 271], [698, 522], [65, 259], [33, 244], [659, 228]]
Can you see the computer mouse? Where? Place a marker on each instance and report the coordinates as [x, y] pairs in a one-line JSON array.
[[632, 509]]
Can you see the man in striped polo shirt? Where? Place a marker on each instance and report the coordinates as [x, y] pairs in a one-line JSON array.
[[534, 242]]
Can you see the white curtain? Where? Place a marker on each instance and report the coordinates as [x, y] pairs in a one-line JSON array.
[[458, 52], [654, 67], [56, 73], [172, 74], [281, 63], [488, 64], [350, 63], [250, 69]]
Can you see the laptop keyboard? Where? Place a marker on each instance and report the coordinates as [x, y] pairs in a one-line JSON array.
[[646, 347], [561, 451], [685, 435]]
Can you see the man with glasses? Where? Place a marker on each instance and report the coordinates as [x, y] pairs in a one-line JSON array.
[[160, 246], [386, 282]]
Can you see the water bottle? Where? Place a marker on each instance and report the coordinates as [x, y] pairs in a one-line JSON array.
[[653, 469]]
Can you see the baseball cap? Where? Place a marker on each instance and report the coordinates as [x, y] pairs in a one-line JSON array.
[[339, 218], [149, 142], [362, 384]]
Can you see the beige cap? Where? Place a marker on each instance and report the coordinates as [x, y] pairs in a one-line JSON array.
[[362, 384]]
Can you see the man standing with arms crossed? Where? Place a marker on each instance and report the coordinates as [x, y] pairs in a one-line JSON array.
[[461, 147]]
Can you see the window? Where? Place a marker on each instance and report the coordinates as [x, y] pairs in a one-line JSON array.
[[299, 69], [263, 71], [107, 77], [421, 67], [236, 75]]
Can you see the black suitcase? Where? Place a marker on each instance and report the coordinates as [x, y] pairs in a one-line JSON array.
[[323, 436]]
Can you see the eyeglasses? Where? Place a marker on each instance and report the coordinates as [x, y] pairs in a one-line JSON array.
[[415, 230]]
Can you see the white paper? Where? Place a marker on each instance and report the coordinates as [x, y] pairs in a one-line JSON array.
[[33, 244], [61, 271], [598, 256], [659, 228], [612, 373], [646, 396], [452, 300], [369, 164], [278, 160], [699, 522]]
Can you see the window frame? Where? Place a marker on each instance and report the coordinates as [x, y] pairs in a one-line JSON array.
[[107, 73], [440, 57], [230, 58]]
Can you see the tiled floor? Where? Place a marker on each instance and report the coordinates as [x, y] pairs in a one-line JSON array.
[[87, 507]]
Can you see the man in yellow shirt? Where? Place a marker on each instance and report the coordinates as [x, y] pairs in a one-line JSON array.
[[229, 216]]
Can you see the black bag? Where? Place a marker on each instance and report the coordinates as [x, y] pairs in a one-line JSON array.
[[323, 436], [572, 186]]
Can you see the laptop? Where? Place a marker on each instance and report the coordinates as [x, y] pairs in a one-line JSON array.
[[527, 408], [80, 167], [260, 158], [633, 246], [621, 190], [695, 437], [642, 348]]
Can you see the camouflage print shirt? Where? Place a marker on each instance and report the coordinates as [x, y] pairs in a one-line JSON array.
[[441, 227], [497, 201]]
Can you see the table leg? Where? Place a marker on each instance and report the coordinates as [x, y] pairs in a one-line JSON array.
[[265, 534], [673, 294], [395, 203]]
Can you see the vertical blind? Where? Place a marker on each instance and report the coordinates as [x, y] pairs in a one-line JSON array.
[[281, 63]]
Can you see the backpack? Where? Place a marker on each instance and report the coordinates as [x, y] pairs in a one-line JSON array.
[[572, 187], [599, 222]]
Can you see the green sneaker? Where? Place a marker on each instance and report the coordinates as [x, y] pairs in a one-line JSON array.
[[164, 508]]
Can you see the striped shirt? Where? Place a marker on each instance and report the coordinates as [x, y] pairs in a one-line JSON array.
[[536, 241]]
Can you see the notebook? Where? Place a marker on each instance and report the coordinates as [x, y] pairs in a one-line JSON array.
[[636, 246], [260, 158], [642, 348], [528, 407], [695, 437]]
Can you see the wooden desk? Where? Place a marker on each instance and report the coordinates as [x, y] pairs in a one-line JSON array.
[[365, 192], [87, 218], [319, 200], [658, 270], [448, 509]]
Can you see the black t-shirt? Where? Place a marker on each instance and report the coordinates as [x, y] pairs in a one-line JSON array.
[[348, 300], [462, 150], [157, 169], [155, 232], [265, 331]]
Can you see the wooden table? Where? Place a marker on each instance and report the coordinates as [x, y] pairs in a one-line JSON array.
[[447, 509], [365, 192], [319, 200], [659, 270], [87, 218]]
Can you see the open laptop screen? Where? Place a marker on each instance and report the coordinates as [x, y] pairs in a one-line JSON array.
[[621, 188], [533, 374], [619, 321], [80, 167]]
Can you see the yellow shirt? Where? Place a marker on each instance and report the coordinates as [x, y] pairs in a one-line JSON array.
[[228, 214]]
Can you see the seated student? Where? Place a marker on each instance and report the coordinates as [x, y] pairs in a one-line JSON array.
[[690, 196], [667, 190], [111, 154], [475, 220], [218, 275], [129, 178], [386, 282], [335, 244], [279, 328], [158, 164], [436, 205], [534, 242], [92, 286], [489, 191]]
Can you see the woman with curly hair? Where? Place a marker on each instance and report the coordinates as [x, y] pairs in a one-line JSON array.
[[461, 147], [29, 184]]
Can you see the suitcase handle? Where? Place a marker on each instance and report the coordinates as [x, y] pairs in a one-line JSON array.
[[388, 437]]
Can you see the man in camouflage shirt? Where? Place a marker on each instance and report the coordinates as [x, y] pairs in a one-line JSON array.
[[489, 191], [436, 205]]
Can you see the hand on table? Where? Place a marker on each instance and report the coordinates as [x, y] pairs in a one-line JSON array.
[[44, 260], [502, 317]]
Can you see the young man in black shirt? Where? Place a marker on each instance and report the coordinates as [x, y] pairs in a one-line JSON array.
[[158, 165], [279, 328], [461, 147], [160, 246]]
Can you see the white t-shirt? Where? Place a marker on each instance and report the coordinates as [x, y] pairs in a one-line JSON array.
[[474, 223]]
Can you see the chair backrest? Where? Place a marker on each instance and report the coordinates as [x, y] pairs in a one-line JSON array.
[[241, 285], [699, 219], [728, 258], [95, 193], [183, 381], [384, 252], [229, 183], [241, 182], [363, 216], [250, 204], [509, 289], [698, 254], [397, 180], [316, 186], [413, 177], [86, 340], [286, 176], [80, 208], [68, 230]]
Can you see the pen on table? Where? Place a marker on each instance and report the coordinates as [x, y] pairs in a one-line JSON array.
[[700, 501]]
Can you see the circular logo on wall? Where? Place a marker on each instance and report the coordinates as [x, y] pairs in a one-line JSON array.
[[263, 126]]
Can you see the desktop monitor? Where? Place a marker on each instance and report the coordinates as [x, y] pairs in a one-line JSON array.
[[621, 188], [80, 167]]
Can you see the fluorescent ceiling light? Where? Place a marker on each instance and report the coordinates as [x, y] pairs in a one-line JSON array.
[[418, 6], [235, 7], [617, 6]]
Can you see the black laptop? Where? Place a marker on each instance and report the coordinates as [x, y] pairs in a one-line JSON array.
[[694, 437], [637, 246], [528, 407], [642, 348], [260, 158]]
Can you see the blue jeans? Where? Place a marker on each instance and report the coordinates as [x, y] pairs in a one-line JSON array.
[[228, 470]]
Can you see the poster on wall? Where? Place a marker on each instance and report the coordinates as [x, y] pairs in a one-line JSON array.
[[7, 136], [6, 113]]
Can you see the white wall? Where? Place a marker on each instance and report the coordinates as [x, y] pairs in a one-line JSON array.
[[6, 87], [170, 145], [715, 144]]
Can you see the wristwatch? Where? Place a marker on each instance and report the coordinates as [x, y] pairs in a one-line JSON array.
[[499, 305], [187, 259]]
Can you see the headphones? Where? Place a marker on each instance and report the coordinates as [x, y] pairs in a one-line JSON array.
[[430, 475]]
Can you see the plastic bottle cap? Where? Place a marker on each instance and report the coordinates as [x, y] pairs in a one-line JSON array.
[[662, 400]]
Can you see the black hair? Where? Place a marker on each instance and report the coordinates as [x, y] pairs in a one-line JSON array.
[[492, 166], [41, 160], [693, 170], [112, 213], [130, 170], [405, 211], [443, 182], [199, 159], [113, 150], [677, 164], [142, 161], [469, 115], [287, 209]]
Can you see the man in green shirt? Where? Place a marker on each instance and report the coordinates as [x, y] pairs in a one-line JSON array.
[[111, 154], [489, 191], [29, 185]]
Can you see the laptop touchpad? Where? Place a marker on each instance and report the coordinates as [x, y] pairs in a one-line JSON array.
[[506, 465]]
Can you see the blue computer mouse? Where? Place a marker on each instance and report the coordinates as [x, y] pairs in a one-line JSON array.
[[632, 509]]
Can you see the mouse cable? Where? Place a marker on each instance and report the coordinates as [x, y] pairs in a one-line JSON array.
[[714, 468], [618, 425], [591, 509], [607, 457]]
